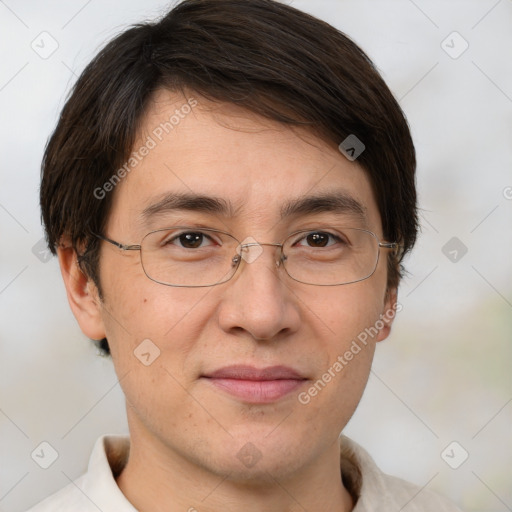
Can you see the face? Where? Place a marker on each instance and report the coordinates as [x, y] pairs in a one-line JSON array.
[[184, 403]]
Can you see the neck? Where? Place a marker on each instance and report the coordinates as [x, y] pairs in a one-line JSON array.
[[159, 479]]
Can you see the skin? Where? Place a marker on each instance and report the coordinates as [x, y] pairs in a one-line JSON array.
[[186, 433]]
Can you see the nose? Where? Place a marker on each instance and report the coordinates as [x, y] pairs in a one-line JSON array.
[[258, 299]]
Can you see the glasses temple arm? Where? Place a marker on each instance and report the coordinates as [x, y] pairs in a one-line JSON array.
[[119, 245]]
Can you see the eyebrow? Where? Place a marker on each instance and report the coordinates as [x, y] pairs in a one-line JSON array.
[[188, 201], [337, 202]]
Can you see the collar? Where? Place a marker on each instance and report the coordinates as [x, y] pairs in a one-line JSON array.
[[361, 476]]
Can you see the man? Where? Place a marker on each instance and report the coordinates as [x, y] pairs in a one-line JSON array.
[[230, 193]]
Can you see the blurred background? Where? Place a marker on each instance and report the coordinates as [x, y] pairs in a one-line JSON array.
[[438, 407]]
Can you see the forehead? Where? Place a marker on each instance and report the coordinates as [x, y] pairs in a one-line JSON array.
[[250, 167]]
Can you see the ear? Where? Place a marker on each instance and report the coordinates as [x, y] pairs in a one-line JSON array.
[[389, 311], [82, 293]]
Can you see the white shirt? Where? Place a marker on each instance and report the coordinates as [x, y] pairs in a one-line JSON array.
[[375, 491]]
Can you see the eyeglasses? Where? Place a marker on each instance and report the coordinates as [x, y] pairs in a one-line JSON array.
[[186, 256]]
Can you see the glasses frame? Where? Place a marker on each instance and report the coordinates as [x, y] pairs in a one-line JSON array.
[[394, 246]]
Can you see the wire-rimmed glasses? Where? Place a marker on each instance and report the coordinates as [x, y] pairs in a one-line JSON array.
[[187, 256]]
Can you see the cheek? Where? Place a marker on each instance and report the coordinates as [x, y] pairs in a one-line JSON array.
[[344, 353], [149, 318], [151, 335], [346, 311], [137, 307], [349, 320]]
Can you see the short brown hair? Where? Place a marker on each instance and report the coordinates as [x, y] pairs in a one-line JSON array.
[[265, 56]]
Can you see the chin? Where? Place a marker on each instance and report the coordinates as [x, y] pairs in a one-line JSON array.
[[257, 468], [258, 455]]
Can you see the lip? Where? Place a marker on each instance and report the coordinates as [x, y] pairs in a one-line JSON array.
[[256, 386]]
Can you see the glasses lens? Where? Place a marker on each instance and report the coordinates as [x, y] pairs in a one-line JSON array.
[[196, 257], [331, 256], [185, 256]]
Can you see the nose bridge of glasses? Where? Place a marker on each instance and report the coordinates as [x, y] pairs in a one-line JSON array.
[[250, 250], [254, 244]]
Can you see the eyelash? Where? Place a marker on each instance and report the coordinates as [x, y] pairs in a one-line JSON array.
[[179, 235], [303, 236]]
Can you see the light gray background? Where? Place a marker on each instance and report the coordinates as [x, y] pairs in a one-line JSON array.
[[445, 373]]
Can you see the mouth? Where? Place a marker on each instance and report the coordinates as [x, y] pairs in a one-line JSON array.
[[256, 386]]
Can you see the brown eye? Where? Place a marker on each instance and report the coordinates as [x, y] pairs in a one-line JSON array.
[[191, 240], [318, 239]]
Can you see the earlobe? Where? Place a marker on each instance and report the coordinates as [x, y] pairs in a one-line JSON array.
[[82, 294], [388, 314]]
